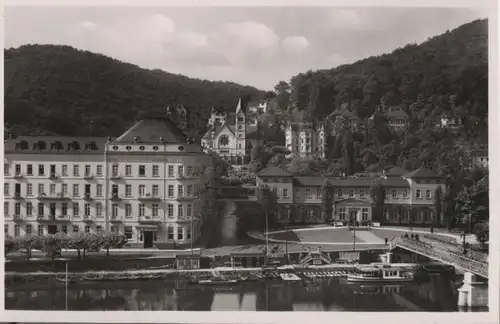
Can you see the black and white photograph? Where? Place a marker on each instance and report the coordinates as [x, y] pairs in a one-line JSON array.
[[248, 158]]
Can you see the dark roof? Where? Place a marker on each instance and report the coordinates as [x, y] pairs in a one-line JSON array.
[[151, 130], [422, 173], [397, 114], [274, 171], [396, 172], [55, 145], [315, 181], [395, 182]]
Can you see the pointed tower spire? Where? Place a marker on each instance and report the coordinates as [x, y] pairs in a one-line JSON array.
[[238, 107]]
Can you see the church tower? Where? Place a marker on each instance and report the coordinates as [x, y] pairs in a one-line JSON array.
[[240, 130]]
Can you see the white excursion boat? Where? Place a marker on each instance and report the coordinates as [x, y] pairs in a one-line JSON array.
[[374, 273]]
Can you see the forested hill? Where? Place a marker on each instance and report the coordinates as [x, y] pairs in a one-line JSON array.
[[62, 90]]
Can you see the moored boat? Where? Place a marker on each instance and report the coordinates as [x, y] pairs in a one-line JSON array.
[[374, 273]]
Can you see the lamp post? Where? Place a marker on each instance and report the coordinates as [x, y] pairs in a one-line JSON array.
[[354, 232]]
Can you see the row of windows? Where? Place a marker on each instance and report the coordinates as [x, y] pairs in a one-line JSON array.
[[98, 209], [62, 189], [350, 192], [115, 168], [343, 214], [128, 230]]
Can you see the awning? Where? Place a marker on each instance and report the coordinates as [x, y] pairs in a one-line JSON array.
[[153, 228]]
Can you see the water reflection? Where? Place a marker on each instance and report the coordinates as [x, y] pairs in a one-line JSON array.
[[436, 294]]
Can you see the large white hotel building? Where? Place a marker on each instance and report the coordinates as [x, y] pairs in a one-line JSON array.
[[147, 184]]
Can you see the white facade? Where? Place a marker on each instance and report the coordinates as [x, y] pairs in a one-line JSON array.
[[146, 191], [303, 140]]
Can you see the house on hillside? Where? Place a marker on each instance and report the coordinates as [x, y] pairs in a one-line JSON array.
[[449, 120], [397, 119], [232, 135], [257, 106], [304, 139], [478, 157]]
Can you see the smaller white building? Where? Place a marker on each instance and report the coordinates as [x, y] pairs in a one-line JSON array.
[[451, 121], [305, 139]]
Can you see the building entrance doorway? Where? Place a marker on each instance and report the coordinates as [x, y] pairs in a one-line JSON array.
[[52, 229], [353, 216], [148, 239]]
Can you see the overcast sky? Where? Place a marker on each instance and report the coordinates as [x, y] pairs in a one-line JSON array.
[[254, 46]]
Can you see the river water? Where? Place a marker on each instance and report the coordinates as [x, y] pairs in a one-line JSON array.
[[434, 294]]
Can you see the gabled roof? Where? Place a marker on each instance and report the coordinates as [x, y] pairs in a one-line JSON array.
[[395, 183], [396, 172], [274, 171], [422, 173], [355, 201], [151, 130]]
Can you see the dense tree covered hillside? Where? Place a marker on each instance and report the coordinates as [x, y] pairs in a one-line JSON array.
[[61, 90]]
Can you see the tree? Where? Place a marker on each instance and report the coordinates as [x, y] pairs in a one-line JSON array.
[[377, 194], [438, 205], [327, 200], [482, 231], [109, 240], [268, 200], [27, 242], [9, 244]]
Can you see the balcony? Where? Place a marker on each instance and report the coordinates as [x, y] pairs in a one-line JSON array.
[[18, 218], [116, 176], [115, 196], [186, 177], [17, 196], [116, 219], [149, 219], [45, 218], [87, 196], [149, 197], [88, 176], [53, 196], [185, 198], [53, 176], [18, 176], [88, 218]]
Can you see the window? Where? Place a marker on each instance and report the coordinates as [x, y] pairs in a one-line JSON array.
[[318, 192], [351, 192], [29, 209], [87, 209], [41, 170], [428, 194], [128, 210], [170, 233], [189, 171], [64, 229], [180, 171], [41, 209], [17, 230], [405, 193], [6, 169], [189, 210], [297, 192], [6, 208], [180, 190], [364, 214], [114, 210], [87, 189], [75, 229], [339, 193], [76, 209], [76, 190], [188, 234], [99, 170], [342, 214], [64, 209], [98, 228], [180, 211], [114, 170], [64, 189], [128, 190], [17, 208], [394, 194], [29, 169], [52, 209], [308, 192], [189, 190], [180, 233], [64, 170], [18, 169], [40, 230], [275, 191], [76, 170], [285, 193], [170, 171], [170, 190], [155, 192], [99, 190], [170, 210], [156, 171], [419, 194], [142, 190], [98, 209], [141, 210], [6, 229], [142, 170], [154, 209], [87, 170], [128, 232], [6, 189], [87, 229], [362, 193], [128, 170]]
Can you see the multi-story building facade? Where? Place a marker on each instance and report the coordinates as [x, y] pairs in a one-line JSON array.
[[409, 196], [147, 184], [232, 135], [305, 139]]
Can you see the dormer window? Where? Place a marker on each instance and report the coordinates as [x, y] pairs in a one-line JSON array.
[[137, 139], [40, 145], [22, 145], [56, 145], [91, 146]]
